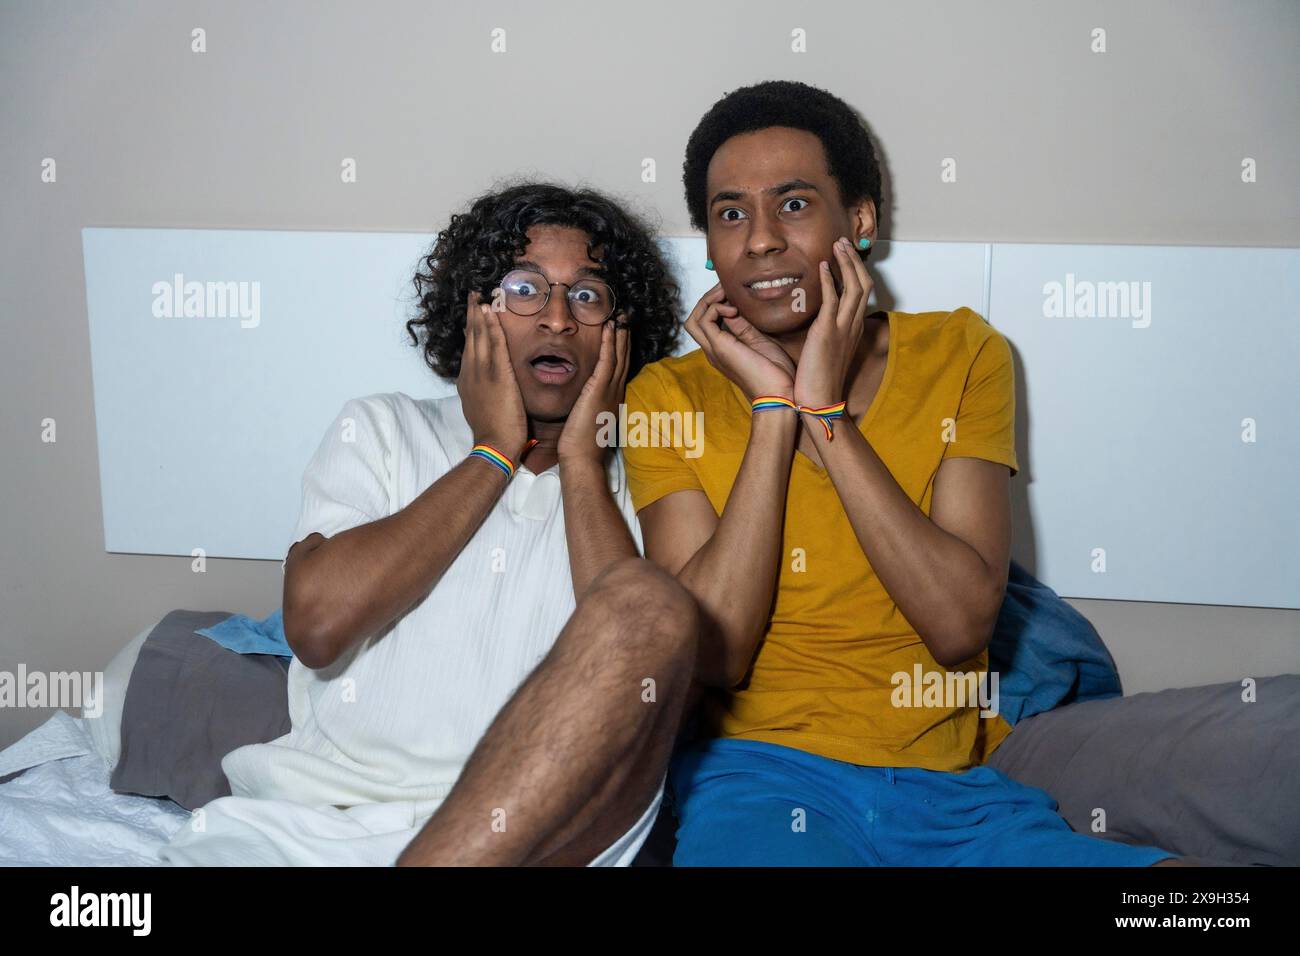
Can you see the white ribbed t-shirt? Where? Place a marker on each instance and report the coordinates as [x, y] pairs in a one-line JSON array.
[[397, 717]]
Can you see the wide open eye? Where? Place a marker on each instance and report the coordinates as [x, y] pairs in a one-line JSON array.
[[525, 292], [525, 284], [739, 214], [592, 300], [802, 207], [589, 294]]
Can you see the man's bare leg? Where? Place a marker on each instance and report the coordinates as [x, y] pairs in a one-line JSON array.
[[576, 755]]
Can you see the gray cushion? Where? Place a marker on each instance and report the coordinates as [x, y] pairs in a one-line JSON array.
[[190, 702], [1196, 771]]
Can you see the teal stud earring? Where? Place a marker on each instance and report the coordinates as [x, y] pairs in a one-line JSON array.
[[708, 264], [864, 243]]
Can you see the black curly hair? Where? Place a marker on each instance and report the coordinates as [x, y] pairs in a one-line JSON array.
[[849, 152], [479, 247]]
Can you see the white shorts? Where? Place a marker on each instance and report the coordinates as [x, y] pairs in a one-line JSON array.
[[624, 850], [243, 831]]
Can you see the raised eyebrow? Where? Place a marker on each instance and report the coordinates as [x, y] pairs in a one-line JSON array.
[[791, 185], [582, 270], [779, 189], [725, 196]]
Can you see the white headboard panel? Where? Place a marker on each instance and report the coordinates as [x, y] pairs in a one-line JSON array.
[[206, 423], [1161, 430], [1130, 431]]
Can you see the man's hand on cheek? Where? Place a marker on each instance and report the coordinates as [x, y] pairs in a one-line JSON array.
[[489, 392], [585, 427], [739, 351], [832, 340]]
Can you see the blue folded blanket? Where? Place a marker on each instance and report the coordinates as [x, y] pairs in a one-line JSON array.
[[244, 635], [1045, 652]]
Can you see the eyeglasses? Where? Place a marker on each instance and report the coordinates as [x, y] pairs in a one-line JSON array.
[[526, 293]]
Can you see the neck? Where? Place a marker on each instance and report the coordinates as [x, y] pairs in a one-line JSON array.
[[793, 343], [545, 453]]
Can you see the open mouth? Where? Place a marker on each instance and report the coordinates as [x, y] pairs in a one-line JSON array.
[[773, 288], [553, 369]]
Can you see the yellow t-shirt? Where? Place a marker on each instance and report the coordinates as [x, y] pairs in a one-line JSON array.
[[823, 677]]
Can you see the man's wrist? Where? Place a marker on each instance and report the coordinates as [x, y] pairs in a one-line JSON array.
[[584, 463], [582, 475], [511, 448], [806, 401], [774, 424], [828, 448]]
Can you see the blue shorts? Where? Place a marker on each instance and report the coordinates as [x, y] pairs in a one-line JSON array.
[[747, 803]]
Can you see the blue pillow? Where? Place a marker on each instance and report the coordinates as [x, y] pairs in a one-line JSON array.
[[1045, 652], [243, 635]]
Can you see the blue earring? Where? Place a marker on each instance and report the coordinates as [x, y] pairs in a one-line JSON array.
[[864, 243], [708, 264]]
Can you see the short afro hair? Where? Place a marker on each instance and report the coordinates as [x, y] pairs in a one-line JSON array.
[[849, 153], [479, 247]]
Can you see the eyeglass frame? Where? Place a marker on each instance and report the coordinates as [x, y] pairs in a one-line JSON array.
[[613, 297]]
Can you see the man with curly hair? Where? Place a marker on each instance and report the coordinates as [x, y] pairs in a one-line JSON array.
[[486, 670]]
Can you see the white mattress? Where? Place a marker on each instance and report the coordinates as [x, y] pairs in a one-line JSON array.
[[59, 811]]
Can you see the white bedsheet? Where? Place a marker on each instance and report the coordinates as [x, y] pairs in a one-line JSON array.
[[61, 812]]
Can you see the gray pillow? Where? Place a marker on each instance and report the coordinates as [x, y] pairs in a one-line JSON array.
[[1196, 771], [190, 702], [106, 730]]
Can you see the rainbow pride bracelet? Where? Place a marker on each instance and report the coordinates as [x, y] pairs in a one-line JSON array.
[[826, 414], [764, 402], [490, 454]]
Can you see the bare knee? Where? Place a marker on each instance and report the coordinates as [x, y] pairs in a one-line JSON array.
[[652, 611]]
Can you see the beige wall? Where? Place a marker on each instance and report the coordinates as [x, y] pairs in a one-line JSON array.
[[1140, 144]]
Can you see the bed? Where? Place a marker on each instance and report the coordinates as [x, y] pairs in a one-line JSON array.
[[1211, 773], [62, 812]]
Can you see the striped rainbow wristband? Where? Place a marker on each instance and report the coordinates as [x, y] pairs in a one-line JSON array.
[[826, 413], [490, 454], [764, 402]]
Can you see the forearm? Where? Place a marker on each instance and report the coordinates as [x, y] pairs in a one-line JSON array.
[[353, 585], [733, 575], [595, 530], [938, 581]]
